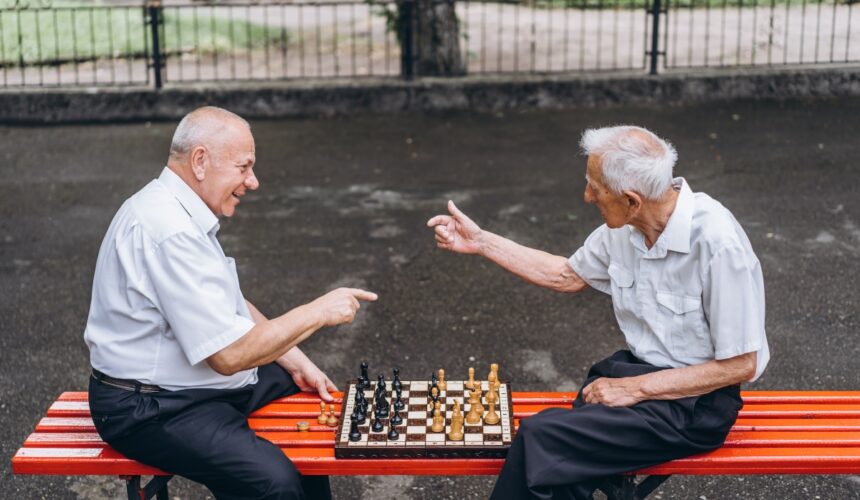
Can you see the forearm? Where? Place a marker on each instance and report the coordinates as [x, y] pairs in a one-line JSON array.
[[695, 380], [267, 341], [534, 266], [291, 359]]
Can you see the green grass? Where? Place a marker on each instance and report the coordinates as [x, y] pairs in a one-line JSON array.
[[64, 34]]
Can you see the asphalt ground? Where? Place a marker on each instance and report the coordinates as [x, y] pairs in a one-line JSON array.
[[344, 202]]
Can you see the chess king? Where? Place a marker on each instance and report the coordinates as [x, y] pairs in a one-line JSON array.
[[179, 357], [688, 295]]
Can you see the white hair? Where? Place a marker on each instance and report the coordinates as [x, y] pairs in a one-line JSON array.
[[198, 128], [633, 159]]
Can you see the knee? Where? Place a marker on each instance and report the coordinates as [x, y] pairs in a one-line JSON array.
[[283, 484]]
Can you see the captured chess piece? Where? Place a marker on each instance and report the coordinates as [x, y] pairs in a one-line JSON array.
[[456, 433], [442, 384], [491, 418], [470, 384], [476, 409], [438, 419], [354, 433], [332, 418], [323, 418]]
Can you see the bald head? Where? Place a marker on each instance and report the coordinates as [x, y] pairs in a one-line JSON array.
[[209, 127], [632, 158]]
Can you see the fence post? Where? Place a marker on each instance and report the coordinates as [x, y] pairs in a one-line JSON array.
[[154, 9], [655, 35], [407, 63]]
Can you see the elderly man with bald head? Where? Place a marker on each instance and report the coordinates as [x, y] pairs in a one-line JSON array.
[[688, 296], [179, 356]]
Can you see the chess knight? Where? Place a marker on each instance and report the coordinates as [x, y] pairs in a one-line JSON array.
[[688, 295]]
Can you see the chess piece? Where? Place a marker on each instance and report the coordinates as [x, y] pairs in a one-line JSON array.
[[332, 418], [396, 384], [323, 418], [398, 403], [470, 384], [392, 433], [354, 433], [491, 418], [396, 419], [382, 406], [494, 367], [474, 415], [434, 396], [302, 426], [442, 384], [438, 419], [376, 426], [434, 382], [491, 385], [365, 378], [380, 385], [456, 433]]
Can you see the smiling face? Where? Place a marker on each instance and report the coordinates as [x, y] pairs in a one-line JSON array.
[[615, 208], [225, 169]]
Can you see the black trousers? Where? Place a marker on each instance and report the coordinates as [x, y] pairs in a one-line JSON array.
[[566, 454], [203, 434]]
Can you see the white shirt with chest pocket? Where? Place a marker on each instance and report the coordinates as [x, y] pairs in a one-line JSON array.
[[696, 295], [165, 297]]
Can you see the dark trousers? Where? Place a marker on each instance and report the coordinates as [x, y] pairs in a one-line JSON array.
[[203, 434], [566, 454]]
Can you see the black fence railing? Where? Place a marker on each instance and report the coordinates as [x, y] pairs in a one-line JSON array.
[[61, 43]]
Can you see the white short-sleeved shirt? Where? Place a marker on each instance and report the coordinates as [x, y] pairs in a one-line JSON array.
[[696, 295], [165, 297]]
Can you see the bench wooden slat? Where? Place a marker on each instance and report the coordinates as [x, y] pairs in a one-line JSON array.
[[292, 439], [316, 461], [527, 397]]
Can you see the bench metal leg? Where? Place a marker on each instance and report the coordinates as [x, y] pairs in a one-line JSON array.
[[625, 487], [157, 487]]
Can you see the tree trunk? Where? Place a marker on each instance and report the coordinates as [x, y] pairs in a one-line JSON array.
[[437, 39]]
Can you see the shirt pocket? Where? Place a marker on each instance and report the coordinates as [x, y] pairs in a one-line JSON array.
[[683, 320], [623, 293]]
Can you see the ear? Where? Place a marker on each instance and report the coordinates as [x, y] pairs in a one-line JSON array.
[[634, 202], [199, 162]]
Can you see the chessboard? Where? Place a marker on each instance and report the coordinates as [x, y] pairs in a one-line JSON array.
[[416, 438]]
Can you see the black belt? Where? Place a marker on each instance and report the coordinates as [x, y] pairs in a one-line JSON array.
[[127, 385]]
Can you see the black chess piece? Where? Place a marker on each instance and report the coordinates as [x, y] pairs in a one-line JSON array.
[[354, 433], [382, 406], [397, 385], [364, 376], [376, 426], [396, 419], [398, 403], [392, 433], [434, 382], [360, 408]]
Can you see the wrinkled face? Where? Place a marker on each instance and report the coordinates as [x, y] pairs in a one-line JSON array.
[[614, 208], [229, 173]]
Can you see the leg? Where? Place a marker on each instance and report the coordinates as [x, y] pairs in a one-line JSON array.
[[211, 443]]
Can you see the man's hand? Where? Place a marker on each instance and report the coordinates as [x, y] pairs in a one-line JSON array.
[[456, 232], [613, 392], [309, 378], [339, 306]]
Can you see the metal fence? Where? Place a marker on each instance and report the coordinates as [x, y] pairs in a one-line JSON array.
[[72, 44]]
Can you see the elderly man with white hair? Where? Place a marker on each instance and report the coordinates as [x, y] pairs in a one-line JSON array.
[[180, 358], [688, 295]]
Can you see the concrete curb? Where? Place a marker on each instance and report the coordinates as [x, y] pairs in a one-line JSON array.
[[377, 95]]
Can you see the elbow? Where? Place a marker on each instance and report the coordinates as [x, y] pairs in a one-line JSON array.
[[747, 368], [222, 363]]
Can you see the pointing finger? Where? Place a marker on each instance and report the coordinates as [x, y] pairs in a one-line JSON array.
[[360, 294]]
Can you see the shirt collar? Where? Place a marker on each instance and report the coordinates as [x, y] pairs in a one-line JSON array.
[[676, 234], [190, 201]]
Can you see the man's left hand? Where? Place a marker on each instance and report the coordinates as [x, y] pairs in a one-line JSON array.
[[612, 392], [309, 378]]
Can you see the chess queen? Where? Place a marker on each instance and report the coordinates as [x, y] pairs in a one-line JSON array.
[[688, 294]]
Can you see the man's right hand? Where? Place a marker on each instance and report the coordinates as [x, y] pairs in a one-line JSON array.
[[339, 306], [456, 232]]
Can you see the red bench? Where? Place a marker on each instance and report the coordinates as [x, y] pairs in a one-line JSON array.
[[777, 432]]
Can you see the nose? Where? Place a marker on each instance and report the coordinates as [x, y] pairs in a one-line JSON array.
[[588, 196], [251, 181]]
